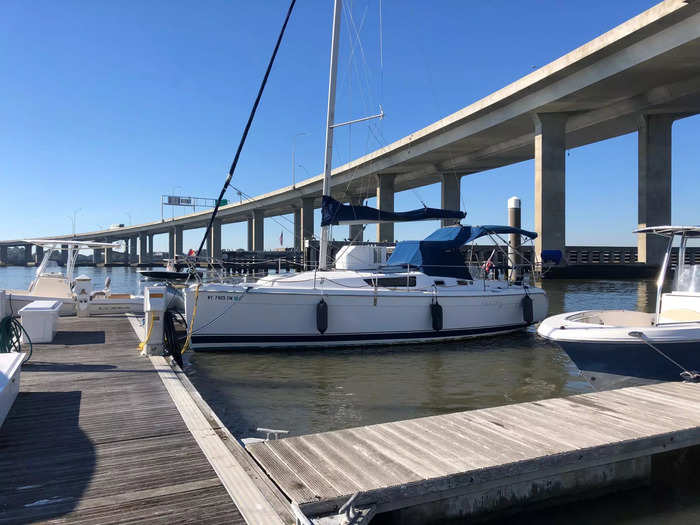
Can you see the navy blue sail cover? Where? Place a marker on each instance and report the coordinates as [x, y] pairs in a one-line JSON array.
[[334, 212], [439, 253]]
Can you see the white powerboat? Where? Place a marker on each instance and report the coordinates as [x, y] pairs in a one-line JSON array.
[[615, 348], [424, 292], [74, 292]]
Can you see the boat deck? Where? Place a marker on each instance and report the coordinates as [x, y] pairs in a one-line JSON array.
[[95, 437], [406, 463]]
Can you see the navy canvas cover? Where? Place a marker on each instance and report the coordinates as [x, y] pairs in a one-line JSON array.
[[335, 212], [439, 254]]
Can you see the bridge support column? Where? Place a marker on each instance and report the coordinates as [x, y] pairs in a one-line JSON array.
[[214, 241], [258, 226], [39, 255], [298, 241], [64, 254], [133, 257], [304, 222], [108, 256], [356, 232], [178, 240], [249, 223], [3, 254], [27, 254], [143, 248], [451, 195], [654, 187], [97, 256], [171, 244], [150, 248], [550, 183], [385, 202]]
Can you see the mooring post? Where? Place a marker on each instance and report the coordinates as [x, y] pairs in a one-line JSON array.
[[514, 221]]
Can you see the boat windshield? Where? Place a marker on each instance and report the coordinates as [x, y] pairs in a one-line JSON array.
[[687, 278]]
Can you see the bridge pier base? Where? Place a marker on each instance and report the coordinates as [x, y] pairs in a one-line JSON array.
[[385, 202], [550, 183], [258, 226], [654, 187], [356, 231], [450, 195]]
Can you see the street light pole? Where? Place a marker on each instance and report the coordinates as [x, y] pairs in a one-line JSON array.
[[294, 154]]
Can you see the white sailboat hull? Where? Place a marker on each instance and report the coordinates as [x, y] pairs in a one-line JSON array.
[[267, 318]]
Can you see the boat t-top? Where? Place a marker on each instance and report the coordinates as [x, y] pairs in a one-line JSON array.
[[615, 348], [74, 292]]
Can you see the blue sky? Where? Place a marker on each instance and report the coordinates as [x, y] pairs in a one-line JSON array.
[[105, 106]]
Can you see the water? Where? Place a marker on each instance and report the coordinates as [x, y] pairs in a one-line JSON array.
[[315, 390]]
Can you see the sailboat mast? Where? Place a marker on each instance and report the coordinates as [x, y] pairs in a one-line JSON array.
[[330, 116]]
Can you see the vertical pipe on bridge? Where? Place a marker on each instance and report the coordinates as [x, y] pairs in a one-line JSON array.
[[385, 202], [654, 184], [450, 195], [550, 183]]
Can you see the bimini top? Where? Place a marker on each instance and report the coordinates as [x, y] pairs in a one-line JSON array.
[[670, 231], [439, 254], [335, 212]]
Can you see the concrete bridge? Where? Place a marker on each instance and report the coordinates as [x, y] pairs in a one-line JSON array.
[[639, 77]]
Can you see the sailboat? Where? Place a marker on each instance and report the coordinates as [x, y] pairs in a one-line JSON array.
[[423, 292]]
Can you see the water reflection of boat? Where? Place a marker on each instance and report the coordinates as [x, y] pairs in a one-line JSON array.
[[614, 348]]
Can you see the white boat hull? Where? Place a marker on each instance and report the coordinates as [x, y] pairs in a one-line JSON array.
[[132, 304], [10, 368], [604, 347], [266, 318]]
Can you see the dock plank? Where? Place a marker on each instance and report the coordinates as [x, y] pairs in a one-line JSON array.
[[409, 462], [94, 437]]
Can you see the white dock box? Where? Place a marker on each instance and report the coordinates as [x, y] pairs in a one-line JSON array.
[[39, 320], [10, 365]]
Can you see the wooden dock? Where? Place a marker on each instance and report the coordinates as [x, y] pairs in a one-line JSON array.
[[96, 437], [482, 460], [100, 434]]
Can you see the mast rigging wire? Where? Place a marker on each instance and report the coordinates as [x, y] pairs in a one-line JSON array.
[[247, 128]]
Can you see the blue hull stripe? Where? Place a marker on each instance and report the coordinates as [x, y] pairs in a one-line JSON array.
[[203, 340]]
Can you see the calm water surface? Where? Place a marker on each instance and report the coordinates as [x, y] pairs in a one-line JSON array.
[[316, 390]]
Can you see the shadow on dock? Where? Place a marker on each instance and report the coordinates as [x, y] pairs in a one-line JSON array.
[[44, 485]]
